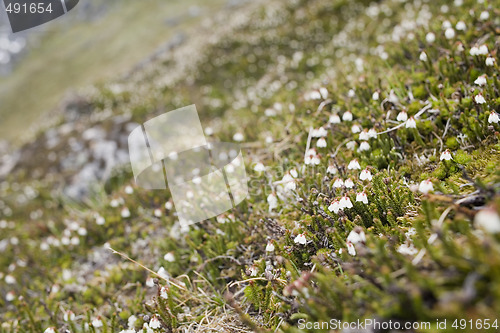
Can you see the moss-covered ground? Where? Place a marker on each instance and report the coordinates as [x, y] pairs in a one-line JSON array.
[[371, 142]]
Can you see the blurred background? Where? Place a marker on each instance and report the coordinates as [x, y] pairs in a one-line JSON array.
[[95, 41]]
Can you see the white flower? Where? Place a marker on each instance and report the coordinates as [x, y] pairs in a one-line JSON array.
[[9, 279], [351, 145], [411, 123], [314, 95], [269, 247], [50, 330], [449, 33], [345, 202], [150, 282], [484, 16], [407, 249], [483, 50], [315, 160], [68, 315], [423, 56], [481, 80], [259, 167], [349, 183], [209, 131], [338, 183], [461, 26], [162, 272], [10, 296], [446, 155], [129, 189], [493, 118], [164, 292], [364, 135], [393, 98], [125, 212], [321, 143], [269, 112], [324, 92], [300, 239], [354, 165], [356, 237], [372, 133], [253, 270], [350, 249], [169, 257], [347, 116], [334, 206], [445, 25], [376, 96], [479, 99], [488, 220], [154, 322], [430, 37], [238, 137], [293, 173], [289, 182], [147, 328], [365, 175], [169, 205], [359, 64], [312, 158], [355, 128], [114, 203], [157, 212], [351, 93], [490, 61], [82, 231], [426, 186], [331, 169], [362, 197], [319, 133], [364, 146], [65, 240], [334, 119], [411, 232], [97, 322], [402, 116], [272, 201], [131, 321], [130, 330], [99, 220]]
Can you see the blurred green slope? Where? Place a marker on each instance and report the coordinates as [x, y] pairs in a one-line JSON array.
[[86, 53]]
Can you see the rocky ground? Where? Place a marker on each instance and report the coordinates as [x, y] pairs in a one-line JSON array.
[[370, 133]]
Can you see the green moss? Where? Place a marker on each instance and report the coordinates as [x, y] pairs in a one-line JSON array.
[[461, 157], [452, 143]]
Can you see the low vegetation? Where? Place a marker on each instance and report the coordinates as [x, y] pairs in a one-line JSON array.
[[370, 132]]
